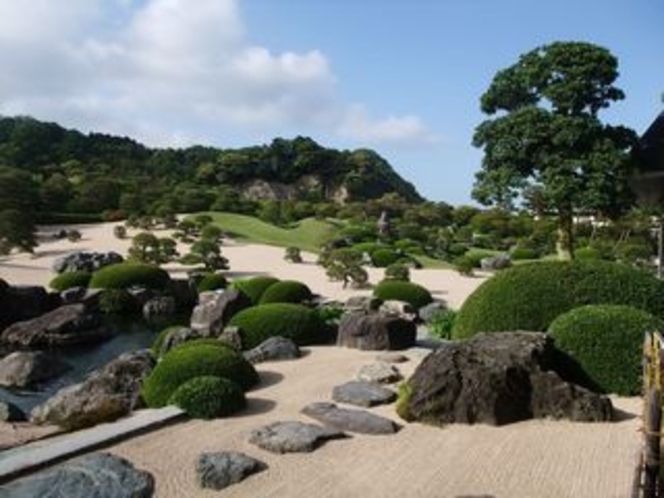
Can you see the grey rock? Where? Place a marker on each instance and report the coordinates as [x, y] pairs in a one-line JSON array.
[[292, 437], [9, 412], [398, 308], [85, 261], [175, 337], [158, 307], [26, 369], [365, 394], [497, 379], [359, 421], [272, 349], [392, 357], [231, 335], [220, 470], [107, 394], [19, 303], [362, 303], [69, 324], [497, 262], [100, 475], [216, 309], [374, 331], [380, 372], [426, 313]]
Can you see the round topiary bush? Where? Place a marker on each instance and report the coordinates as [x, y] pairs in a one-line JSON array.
[[606, 341], [382, 258], [253, 288], [286, 291], [212, 281], [209, 397], [70, 279], [414, 294], [118, 302], [294, 321], [530, 296], [126, 275], [195, 359]]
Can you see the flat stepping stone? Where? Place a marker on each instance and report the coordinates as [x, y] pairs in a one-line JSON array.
[[392, 357], [292, 437], [359, 421], [361, 393], [220, 470], [382, 373]]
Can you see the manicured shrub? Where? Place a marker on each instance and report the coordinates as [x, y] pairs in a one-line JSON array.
[[367, 247], [397, 271], [414, 294], [212, 281], [530, 296], [208, 397], [286, 291], [521, 253], [464, 266], [442, 323], [606, 341], [382, 258], [195, 359], [475, 256], [126, 275], [586, 253], [254, 287], [293, 254], [69, 280], [294, 321], [118, 302]]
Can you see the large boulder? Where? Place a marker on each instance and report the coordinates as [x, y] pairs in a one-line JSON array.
[[100, 475], [375, 331], [85, 261], [498, 379], [18, 303], [69, 324], [28, 368], [215, 310], [273, 349], [108, 393], [220, 470]]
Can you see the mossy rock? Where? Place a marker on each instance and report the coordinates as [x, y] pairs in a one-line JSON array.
[[69, 280], [126, 275], [212, 281], [414, 294], [209, 397], [254, 288], [286, 291]]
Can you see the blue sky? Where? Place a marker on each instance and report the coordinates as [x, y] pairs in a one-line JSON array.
[[401, 77]]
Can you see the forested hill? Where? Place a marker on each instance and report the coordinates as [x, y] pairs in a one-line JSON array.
[[75, 172]]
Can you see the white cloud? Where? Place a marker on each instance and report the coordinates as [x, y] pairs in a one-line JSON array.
[[166, 70]]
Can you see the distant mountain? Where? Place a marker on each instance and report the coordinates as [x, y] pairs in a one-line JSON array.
[[96, 172]]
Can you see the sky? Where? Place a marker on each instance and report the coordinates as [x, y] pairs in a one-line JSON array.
[[401, 77]]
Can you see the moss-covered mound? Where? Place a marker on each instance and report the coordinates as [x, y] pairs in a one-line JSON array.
[[606, 341], [195, 359], [126, 275], [254, 288], [69, 280], [286, 291], [414, 294], [212, 281], [299, 323], [209, 397], [530, 296]]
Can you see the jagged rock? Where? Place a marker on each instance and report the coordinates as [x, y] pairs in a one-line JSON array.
[[362, 303], [216, 309], [380, 373], [175, 337], [89, 297], [497, 379], [497, 262], [9, 412], [100, 475], [69, 324], [365, 394], [426, 313], [231, 336], [220, 470], [85, 261], [19, 303], [398, 308], [391, 357], [376, 332], [359, 421], [108, 393], [274, 348], [158, 307], [292, 437], [26, 369]]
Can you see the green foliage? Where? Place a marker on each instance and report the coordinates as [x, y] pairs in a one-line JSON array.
[[192, 360], [17, 230], [404, 395], [161, 337], [70, 279], [150, 249], [521, 253], [475, 256], [293, 321], [208, 253], [330, 313], [442, 323], [120, 232], [293, 255], [530, 296], [464, 266], [254, 287], [606, 341], [414, 294], [126, 275], [73, 235], [397, 271], [209, 397], [286, 291], [117, 302], [586, 253], [212, 281], [382, 258]]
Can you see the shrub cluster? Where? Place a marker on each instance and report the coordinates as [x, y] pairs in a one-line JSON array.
[[606, 341], [126, 275], [212, 281], [414, 294], [530, 296], [208, 397], [397, 271], [286, 291], [442, 323], [69, 280], [382, 258], [254, 288]]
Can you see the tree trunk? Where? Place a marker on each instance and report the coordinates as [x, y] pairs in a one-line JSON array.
[[565, 242]]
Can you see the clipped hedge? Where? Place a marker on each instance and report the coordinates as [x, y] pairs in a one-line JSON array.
[[294, 321], [286, 291], [208, 397], [69, 280], [382, 258], [126, 275], [195, 359], [530, 296], [212, 281], [254, 288], [414, 294], [606, 341]]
